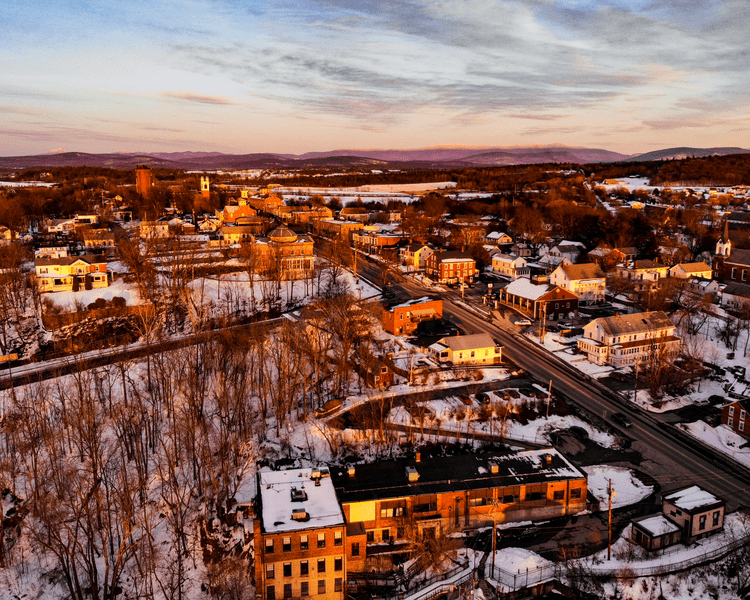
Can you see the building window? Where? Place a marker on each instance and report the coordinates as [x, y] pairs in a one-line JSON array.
[[731, 411], [716, 518], [321, 586], [321, 565], [338, 539], [286, 544], [287, 569], [575, 493], [558, 495], [270, 593], [730, 421], [744, 274], [355, 548], [269, 546], [702, 523], [338, 564], [386, 533], [287, 590], [321, 540], [303, 543], [338, 584], [270, 572], [304, 568], [370, 537], [734, 273], [304, 589]]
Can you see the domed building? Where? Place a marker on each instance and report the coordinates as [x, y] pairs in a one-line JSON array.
[[285, 254]]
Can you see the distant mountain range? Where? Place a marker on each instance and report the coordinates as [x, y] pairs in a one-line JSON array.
[[438, 157]]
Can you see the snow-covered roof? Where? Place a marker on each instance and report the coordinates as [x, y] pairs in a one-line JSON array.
[[523, 288], [692, 497], [657, 525], [285, 492]]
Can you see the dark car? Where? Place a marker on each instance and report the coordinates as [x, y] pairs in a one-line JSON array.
[[622, 419], [482, 398]]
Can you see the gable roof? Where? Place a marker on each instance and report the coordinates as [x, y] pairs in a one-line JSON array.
[[694, 267], [737, 289], [635, 323], [92, 259], [739, 257], [459, 343], [582, 271]]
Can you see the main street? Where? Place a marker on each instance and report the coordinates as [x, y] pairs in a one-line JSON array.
[[669, 456]]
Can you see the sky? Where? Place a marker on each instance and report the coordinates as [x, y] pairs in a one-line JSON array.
[[293, 76]]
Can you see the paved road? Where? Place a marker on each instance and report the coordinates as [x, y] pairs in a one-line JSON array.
[[669, 457], [672, 458]]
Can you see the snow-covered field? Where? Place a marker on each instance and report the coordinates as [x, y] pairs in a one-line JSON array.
[[68, 300]]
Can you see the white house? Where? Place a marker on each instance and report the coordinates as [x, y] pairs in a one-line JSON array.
[[587, 281], [626, 340], [477, 349], [687, 270], [510, 266]]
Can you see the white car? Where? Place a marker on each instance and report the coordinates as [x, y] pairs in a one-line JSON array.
[[523, 323]]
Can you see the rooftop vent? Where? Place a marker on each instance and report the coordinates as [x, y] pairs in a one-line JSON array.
[[298, 495], [300, 514], [412, 474], [494, 468]]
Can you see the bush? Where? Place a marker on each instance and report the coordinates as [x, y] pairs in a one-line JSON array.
[[119, 302]]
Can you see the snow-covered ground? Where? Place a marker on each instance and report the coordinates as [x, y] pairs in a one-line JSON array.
[[627, 487], [68, 300], [721, 438]]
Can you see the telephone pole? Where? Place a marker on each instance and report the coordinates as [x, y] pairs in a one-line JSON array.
[[610, 493]]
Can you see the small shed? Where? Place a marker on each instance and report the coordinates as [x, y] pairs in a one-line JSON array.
[[655, 532]]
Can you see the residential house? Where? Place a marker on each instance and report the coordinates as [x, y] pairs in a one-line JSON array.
[[540, 300], [696, 511], [376, 372], [735, 296], [522, 249], [155, 229], [568, 250], [354, 213], [71, 273], [403, 318], [233, 214], [643, 273], [237, 234], [687, 270], [476, 349], [304, 215], [86, 219], [498, 238], [99, 239], [626, 340], [6, 234], [736, 416], [587, 281], [414, 255], [61, 226], [300, 537], [655, 532], [510, 266], [452, 267], [51, 252]]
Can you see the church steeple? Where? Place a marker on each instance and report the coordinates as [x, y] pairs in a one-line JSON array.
[[724, 244]]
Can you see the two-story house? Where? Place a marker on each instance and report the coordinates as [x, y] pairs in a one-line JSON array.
[[587, 281], [626, 340], [540, 300], [403, 318], [688, 514], [688, 270], [736, 416], [71, 273], [414, 255], [509, 265]]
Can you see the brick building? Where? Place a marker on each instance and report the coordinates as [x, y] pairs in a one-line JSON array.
[[451, 267], [403, 318]]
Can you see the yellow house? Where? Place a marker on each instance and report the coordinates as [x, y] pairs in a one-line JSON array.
[[477, 349], [71, 273]]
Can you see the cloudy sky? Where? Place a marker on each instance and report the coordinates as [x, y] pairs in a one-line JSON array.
[[295, 76]]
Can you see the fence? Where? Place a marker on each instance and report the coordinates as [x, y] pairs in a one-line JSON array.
[[663, 566], [434, 586], [522, 579]]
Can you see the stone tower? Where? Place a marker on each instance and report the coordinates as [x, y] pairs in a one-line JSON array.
[[144, 180], [205, 188]]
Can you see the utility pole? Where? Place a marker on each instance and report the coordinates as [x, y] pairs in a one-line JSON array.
[[495, 504], [610, 493], [544, 322], [549, 397]]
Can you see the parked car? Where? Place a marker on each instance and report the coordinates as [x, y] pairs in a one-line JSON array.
[[523, 323], [622, 419], [482, 398]]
